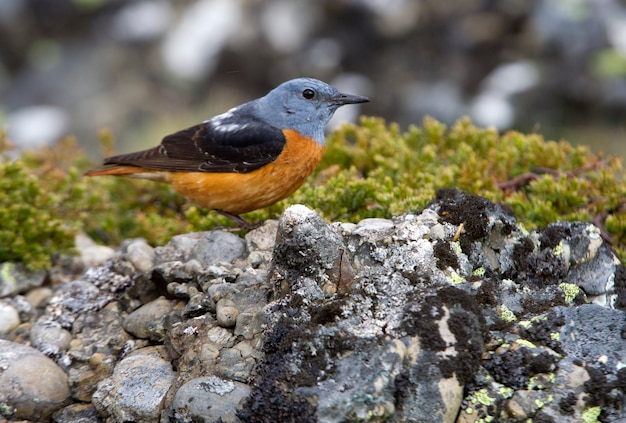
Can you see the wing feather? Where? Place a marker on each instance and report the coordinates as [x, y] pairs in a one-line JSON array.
[[212, 146]]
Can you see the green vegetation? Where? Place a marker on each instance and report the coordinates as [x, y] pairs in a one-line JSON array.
[[369, 170]]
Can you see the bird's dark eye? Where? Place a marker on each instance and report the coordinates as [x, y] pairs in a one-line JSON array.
[[308, 93]]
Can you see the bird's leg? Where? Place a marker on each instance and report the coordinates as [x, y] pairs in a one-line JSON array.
[[240, 221]]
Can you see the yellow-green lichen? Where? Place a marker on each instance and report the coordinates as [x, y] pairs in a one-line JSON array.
[[555, 336], [455, 278], [482, 397], [591, 414], [559, 249], [506, 392], [570, 290], [526, 343], [506, 314], [479, 271]]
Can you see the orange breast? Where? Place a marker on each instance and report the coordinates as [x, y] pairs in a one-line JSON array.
[[238, 193]]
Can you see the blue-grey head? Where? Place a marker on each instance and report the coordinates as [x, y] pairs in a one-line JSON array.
[[303, 104]]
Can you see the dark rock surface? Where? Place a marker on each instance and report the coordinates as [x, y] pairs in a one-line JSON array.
[[453, 314]]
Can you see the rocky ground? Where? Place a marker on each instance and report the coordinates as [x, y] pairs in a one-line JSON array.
[[455, 314]]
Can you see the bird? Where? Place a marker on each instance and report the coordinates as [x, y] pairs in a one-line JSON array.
[[247, 158]]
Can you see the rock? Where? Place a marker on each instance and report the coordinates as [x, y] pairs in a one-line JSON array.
[[226, 313], [209, 399], [207, 248], [77, 413], [216, 247], [39, 297], [92, 254], [9, 318], [137, 388], [414, 368], [99, 340], [49, 337], [594, 335], [141, 255], [455, 314], [21, 382], [147, 321], [14, 279], [250, 323]]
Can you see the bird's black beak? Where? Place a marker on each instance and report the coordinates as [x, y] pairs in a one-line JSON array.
[[342, 99]]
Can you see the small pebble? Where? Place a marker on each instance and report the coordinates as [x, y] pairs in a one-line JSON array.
[[226, 313], [141, 255], [147, 321], [50, 337], [9, 318]]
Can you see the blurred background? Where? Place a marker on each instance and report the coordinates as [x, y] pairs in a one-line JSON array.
[[147, 68]]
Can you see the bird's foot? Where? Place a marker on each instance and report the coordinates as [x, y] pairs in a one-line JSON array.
[[240, 221]]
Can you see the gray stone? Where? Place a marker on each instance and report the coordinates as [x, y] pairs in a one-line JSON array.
[[216, 247], [595, 335], [77, 413], [92, 254], [264, 237], [141, 255], [226, 313], [14, 279], [250, 323], [147, 321], [9, 318], [178, 249], [22, 381], [136, 390], [232, 364], [210, 399], [39, 297], [49, 337]]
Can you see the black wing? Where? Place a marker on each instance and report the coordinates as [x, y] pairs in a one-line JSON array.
[[212, 146]]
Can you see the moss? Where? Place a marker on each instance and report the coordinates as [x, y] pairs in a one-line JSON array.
[[32, 228], [369, 170]]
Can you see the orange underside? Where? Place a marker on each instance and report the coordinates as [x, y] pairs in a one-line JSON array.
[[238, 193]]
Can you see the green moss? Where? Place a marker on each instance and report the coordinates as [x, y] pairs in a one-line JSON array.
[[32, 228], [369, 170]]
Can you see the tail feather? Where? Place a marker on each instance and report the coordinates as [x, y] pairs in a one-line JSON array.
[[128, 171]]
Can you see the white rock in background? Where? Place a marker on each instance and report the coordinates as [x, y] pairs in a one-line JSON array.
[[190, 49], [37, 126]]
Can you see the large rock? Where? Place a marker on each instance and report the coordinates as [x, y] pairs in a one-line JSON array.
[[32, 386], [136, 390]]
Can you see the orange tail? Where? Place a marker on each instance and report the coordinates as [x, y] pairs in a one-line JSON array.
[[128, 171]]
